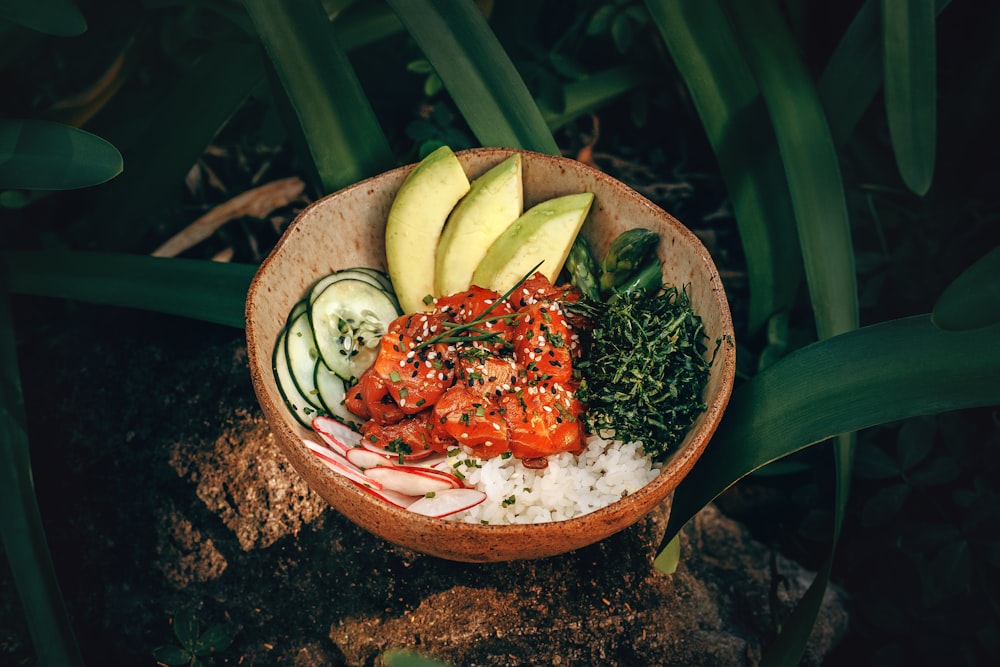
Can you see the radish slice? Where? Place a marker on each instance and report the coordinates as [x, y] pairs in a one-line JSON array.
[[413, 480], [447, 502], [364, 458], [340, 465], [434, 461], [335, 433], [392, 497]]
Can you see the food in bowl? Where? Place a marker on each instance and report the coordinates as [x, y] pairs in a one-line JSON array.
[[467, 405]]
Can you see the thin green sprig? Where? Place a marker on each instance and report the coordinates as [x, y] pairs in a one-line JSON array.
[[483, 318]]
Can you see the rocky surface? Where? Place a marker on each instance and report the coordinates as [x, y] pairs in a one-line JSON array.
[[163, 489]]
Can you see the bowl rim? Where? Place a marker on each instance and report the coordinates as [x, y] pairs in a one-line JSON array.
[[647, 496]]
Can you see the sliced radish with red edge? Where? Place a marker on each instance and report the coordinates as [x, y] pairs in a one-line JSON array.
[[445, 503], [392, 497], [340, 465], [365, 458], [413, 480], [335, 433]]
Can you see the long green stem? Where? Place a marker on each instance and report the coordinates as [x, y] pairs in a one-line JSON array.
[[20, 521]]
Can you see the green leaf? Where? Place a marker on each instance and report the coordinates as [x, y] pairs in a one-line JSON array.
[[910, 61], [939, 471], [186, 628], [216, 638], [52, 17], [918, 537], [810, 163], [343, 135], [24, 543], [972, 299], [853, 74], [199, 289], [601, 20], [181, 126], [949, 574], [43, 155], [669, 557], [401, 658], [873, 463], [477, 72], [593, 92], [914, 442], [884, 505], [703, 47], [817, 194], [875, 375], [171, 655], [363, 23]]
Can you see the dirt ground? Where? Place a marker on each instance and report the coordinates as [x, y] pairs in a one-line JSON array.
[[162, 490]]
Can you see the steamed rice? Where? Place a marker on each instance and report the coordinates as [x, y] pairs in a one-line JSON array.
[[570, 486]]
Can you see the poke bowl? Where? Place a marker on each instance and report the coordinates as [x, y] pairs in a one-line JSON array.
[[347, 229]]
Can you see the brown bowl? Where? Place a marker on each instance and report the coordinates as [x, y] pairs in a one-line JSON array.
[[345, 229]]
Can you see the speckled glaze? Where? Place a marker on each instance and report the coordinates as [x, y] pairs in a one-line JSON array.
[[345, 229]]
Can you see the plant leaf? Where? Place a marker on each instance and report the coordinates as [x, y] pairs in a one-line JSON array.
[[775, 413], [853, 74], [972, 299], [477, 72], [342, 133], [703, 47], [186, 629], [402, 658], [24, 542], [910, 61], [44, 155], [817, 195], [594, 91], [810, 162], [950, 573], [171, 655], [363, 23], [216, 638], [874, 463], [914, 442], [938, 471], [61, 18], [884, 505], [877, 374], [199, 289]]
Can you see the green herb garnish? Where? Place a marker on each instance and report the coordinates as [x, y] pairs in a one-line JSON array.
[[453, 329], [644, 375]]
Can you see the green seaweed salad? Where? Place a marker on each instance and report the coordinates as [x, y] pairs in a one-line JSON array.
[[645, 372]]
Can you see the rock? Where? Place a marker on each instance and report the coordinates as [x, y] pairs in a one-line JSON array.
[[244, 480]]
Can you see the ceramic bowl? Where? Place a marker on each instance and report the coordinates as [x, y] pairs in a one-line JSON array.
[[345, 229]]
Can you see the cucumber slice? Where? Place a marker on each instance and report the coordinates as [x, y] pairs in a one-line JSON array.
[[332, 390], [348, 318], [300, 307], [297, 403], [370, 276], [300, 349], [345, 274], [381, 276]]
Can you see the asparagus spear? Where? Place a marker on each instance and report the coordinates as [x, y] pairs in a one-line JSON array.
[[582, 268], [631, 250]]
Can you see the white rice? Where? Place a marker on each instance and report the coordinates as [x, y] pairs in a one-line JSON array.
[[570, 486]]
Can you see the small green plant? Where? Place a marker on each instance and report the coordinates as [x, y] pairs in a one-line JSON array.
[[195, 645]]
